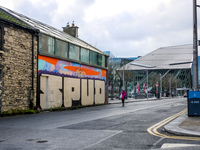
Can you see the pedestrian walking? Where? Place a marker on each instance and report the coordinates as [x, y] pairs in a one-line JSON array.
[[123, 96]]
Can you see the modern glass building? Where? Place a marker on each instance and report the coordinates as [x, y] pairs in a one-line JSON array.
[[166, 70], [114, 80]]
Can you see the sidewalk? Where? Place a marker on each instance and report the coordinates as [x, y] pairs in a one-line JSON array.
[[182, 125]]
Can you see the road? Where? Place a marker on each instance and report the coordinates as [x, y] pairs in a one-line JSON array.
[[94, 128]]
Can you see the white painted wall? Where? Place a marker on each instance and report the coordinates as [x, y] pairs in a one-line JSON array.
[[87, 99], [99, 97], [70, 95], [52, 96]]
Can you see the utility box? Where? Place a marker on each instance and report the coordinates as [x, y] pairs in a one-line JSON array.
[[193, 103]]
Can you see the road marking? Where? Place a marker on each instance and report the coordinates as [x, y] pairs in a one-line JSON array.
[[174, 145], [101, 140], [157, 142], [154, 129]]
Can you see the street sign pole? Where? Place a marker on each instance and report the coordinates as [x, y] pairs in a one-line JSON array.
[[195, 48]]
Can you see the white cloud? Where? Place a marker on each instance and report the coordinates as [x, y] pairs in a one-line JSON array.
[[125, 27], [8, 4]]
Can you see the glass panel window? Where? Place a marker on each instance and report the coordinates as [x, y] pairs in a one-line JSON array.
[[46, 44], [103, 61], [99, 59], [84, 55], [93, 58], [61, 48], [106, 61], [73, 52], [51, 45]]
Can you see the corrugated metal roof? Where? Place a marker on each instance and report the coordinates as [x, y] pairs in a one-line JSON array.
[[46, 29], [174, 57]]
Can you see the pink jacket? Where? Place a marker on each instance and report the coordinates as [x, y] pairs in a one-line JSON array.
[[123, 94]]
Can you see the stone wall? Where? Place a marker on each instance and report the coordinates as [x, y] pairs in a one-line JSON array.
[[16, 64], [0, 86]]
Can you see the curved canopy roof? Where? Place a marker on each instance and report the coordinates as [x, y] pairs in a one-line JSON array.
[[173, 57]]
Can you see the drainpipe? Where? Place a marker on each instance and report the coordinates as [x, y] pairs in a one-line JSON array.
[[38, 107], [32, 87]]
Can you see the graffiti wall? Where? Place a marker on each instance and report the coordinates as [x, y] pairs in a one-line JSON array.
[[69, 84], [59, 91], [56, 66]]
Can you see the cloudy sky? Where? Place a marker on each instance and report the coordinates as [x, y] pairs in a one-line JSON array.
[[124, 27]]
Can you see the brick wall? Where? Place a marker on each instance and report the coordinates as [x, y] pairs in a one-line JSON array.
[[16, 64]]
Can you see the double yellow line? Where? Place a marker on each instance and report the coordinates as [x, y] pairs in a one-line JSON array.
[[154, 129]]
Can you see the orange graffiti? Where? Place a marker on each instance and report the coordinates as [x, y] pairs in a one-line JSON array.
[[103, 73], [83, 71], [50, 60]]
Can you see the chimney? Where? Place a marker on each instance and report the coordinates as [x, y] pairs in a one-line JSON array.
[[73, 30]]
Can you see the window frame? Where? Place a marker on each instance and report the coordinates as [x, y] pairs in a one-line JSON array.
[[82, 60], [78, 59], [66, 50], [47, 44], [94, 59], [70, 44]]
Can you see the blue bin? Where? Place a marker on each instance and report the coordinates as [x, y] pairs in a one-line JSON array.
[[193, 103]]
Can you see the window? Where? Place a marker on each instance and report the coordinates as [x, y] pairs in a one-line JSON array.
[[64, 49], [61, 48], [85, 55], [93, 58], [106, 61], [101, 60], [46, 44], [73, 52]]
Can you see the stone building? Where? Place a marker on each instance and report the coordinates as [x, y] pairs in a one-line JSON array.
[[43, 67], [18, 64]]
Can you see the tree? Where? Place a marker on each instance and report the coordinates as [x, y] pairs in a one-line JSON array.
[[128, 78], [112, 76], [154, 79], [170, 84]]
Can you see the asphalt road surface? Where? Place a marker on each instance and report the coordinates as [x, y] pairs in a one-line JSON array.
[[104, 127]]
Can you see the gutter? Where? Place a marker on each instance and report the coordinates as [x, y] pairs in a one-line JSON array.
[[32, 86]]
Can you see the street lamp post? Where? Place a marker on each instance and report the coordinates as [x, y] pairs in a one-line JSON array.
[[147, 85], [123, 75], [195, 47], [170, 91], [160, 86], [157, 89], [176, 88]]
